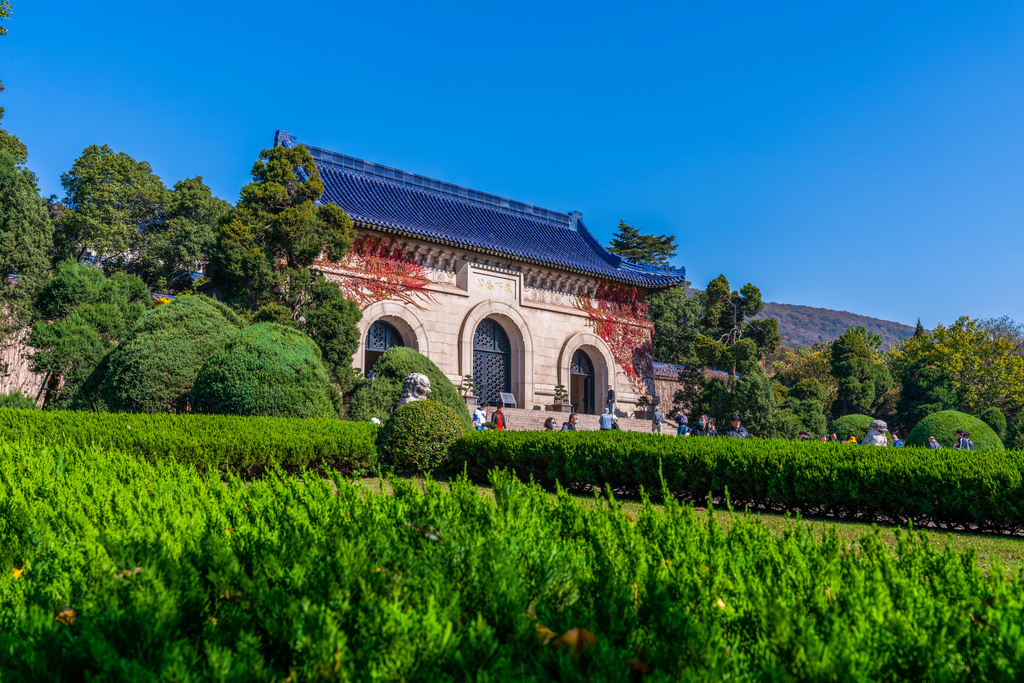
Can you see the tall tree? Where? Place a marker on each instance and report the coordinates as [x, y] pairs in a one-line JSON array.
[[652, 250], [863, 378], [111, 198], [265, 249], [676, 319]]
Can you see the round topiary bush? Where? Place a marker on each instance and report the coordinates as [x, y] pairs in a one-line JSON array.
[[417, 436], [380, 397], [995, 419], [265, 370], [153, 369], [852, 425], [943, 425]]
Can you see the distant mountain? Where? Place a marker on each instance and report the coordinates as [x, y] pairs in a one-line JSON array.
[[805, 325]]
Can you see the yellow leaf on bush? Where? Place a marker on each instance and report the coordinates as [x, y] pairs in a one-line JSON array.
[[576, 640], [66, 616], [720, 604], [18, 572], [544, 634]]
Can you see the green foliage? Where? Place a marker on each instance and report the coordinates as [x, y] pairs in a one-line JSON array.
[[924, 389], [265, 247], [725, 310], [765, 334], [675, 318], [863, 378], [26, 237], [942, 487], [418, 435], [653, 250], [10, 143], [266, 370], [380, 397], [153, 369], [995, 419], [855, 425], [807, 399], [243, 445], [1015, 432], [17, 401], [266, 244], [175, 575], [175, 245], [85, 314], [943, 425]]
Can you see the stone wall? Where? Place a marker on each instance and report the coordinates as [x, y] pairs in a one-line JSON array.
[[15, 371]]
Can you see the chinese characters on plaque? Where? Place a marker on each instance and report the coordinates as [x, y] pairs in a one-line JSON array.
[[495, 286]]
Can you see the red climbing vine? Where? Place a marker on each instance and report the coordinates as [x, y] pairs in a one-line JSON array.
[[618, 315], [380, 269]]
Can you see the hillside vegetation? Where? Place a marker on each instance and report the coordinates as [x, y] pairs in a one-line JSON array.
[[806, 325]]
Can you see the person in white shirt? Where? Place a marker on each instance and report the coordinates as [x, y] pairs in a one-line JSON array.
[[479, 417]]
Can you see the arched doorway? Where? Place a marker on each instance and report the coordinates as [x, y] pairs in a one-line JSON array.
[[581, 383], [379, 338], [492, 362]]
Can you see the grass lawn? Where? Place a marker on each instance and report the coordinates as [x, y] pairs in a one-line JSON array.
[[988, 548]]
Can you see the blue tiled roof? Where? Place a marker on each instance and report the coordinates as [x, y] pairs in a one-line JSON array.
[[404, 203], [667, 369]]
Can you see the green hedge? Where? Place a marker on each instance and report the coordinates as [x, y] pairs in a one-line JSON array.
[[245, 445], [418, 435], [170, 576], [983, 489]]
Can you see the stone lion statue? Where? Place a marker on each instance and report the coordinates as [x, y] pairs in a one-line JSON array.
[[876, 434], [415, 387]]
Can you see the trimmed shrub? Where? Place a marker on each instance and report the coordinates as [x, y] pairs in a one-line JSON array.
[[153, 369], [245, 445], [266, 370], [17, 401], [380, 397], [852, 425], [418, 435], [943, 425], [981, 489], [995, 419]]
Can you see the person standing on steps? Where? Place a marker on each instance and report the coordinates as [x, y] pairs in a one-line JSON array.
[[736, 429], [658, 421], [479, 417], [498, 418], [611, 399], [607, 420]]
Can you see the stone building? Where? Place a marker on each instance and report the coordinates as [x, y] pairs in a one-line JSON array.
[[514, 294]]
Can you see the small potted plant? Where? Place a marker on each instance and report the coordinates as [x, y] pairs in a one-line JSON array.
[[468, 391], [561, 404]]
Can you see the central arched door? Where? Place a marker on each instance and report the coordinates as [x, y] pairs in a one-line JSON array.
[[379, 338], [581, 383], [492, 362]]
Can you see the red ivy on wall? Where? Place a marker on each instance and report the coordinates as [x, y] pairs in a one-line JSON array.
[[618, 315], [379, 269]]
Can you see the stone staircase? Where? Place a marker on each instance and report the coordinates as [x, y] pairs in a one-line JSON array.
[[521, 420]]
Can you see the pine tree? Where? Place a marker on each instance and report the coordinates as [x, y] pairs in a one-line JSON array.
[[919, 332], [652, 250]]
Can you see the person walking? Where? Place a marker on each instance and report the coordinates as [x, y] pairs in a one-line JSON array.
[[570, 426], [611, 399], [964, 443], [607, 420], [736, 429], [498, 418], [479, 417], [549, 424], [682, 425], [932, 443], [658, 421]]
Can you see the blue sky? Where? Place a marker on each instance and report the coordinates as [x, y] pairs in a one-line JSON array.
[[867, 158]]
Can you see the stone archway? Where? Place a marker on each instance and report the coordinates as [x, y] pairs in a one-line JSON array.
[[400, 316], [520, 341], [600, 355]]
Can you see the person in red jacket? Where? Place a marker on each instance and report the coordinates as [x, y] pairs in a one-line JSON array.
[[498, 419]]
